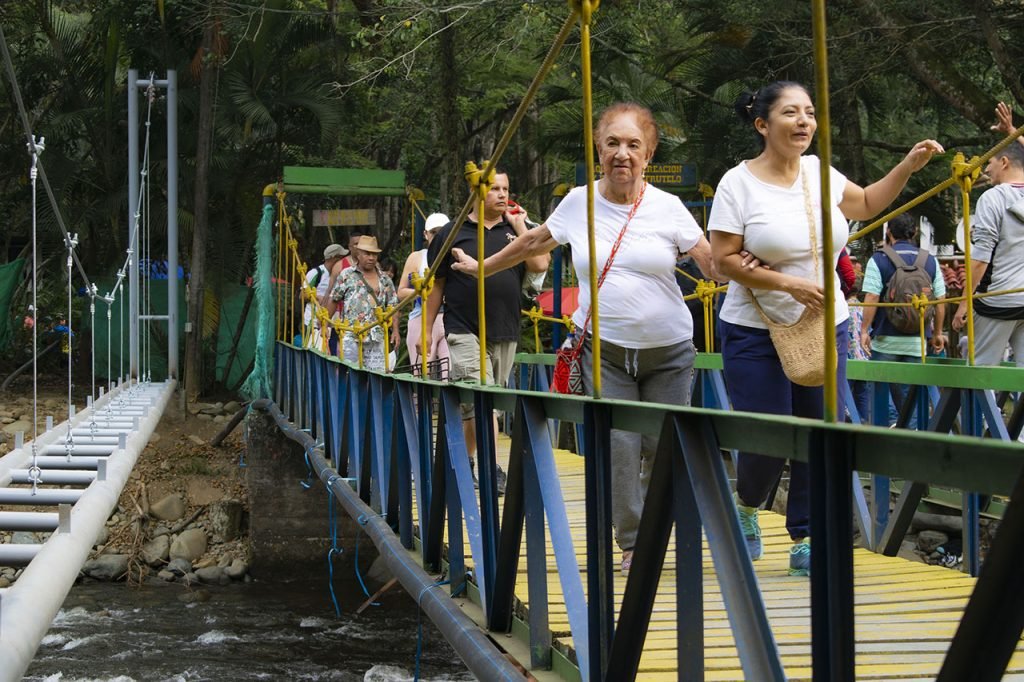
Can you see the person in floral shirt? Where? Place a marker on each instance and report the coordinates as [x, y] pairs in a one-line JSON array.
[[357, 294]]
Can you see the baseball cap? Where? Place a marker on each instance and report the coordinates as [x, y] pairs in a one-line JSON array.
[[334, 251], [435, 221]]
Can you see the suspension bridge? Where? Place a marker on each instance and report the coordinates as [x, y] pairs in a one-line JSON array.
[[63, 482], [532, 574]]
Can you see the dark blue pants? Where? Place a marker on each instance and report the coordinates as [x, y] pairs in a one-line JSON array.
[[756, 383]]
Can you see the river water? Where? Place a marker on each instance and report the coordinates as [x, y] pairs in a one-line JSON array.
[[254, 631]]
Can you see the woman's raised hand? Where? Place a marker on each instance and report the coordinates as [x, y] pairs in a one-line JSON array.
[[1004, 119], [463, 262], [921, 153], [805, 292]]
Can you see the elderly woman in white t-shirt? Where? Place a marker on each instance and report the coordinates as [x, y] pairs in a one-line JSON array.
[[761, 207], [646, 330]]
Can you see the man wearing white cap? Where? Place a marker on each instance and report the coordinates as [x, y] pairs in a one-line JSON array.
[[319, 278], [417, 263]]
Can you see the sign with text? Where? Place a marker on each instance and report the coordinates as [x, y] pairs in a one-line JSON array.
[[665, 175], [344, 217]]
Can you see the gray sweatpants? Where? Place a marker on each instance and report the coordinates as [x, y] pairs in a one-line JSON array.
[[650, 375]]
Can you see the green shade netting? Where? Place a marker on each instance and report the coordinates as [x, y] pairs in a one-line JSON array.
[[10, 274]]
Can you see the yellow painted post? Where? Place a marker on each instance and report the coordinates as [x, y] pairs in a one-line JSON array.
[[281, 255], [384, 320], [965, 173], [825, 154], [920, 304], [481, 185], [587, 9], [536, 329]]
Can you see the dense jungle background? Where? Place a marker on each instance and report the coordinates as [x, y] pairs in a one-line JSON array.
[[423, 86]]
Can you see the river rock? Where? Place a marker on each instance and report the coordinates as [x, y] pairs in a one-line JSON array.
[[168, 508], [6, 420], [224, 520], [102, 536], [106, 566], [157, 551], [190, 544], [4, 582], [237, 569], [23, 537], [169, 576], [202, 416], [219, 419], [929, 540], [196, 439], [190, 579], [179, 566], [17, 426], [232, 407], [213, 575]]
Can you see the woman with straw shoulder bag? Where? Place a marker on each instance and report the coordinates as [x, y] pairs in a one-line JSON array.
[[772, 321]]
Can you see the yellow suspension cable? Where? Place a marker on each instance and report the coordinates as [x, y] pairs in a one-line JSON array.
[[282, 252], [480, 182], [586, 10], [974, 167], [825, 154], [965, 174]]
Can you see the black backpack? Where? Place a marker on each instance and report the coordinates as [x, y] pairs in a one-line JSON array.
[[908, 281], [315, 281]]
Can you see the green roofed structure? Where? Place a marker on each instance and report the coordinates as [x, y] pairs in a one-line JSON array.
[[344, 181]]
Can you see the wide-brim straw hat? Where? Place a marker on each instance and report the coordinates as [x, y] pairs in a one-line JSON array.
[[368, 244]]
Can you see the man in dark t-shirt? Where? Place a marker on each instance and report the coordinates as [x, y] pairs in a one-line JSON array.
[[458, 291]]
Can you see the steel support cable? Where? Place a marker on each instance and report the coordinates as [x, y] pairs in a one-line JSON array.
[[31, 140], [133, 241], [823, 117], [585, 9], [92, 357], [146, 248], [69, 441], [35, 148]]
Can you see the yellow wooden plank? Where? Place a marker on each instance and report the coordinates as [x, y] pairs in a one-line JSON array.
[[905, 612]]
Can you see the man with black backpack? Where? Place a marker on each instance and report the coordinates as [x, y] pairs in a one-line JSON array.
[[897, 274]]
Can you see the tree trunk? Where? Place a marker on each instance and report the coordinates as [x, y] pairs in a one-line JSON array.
[[204, 145], [451, 128]]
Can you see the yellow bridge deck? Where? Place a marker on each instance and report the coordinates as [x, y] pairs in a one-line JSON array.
[[906, 612]]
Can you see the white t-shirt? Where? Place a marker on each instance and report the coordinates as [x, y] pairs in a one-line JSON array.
[[321, 288], [640, 303], [773, 223]]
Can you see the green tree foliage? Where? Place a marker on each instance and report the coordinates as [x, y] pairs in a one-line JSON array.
[[426, 85]]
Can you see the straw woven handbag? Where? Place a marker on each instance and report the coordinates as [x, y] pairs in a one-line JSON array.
[[801, 345]]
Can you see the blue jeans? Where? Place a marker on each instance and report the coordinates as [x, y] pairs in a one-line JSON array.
[[756, 383], [897, 392]]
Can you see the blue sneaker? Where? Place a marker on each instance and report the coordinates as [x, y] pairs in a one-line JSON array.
[[751, 529], [800, 558]]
